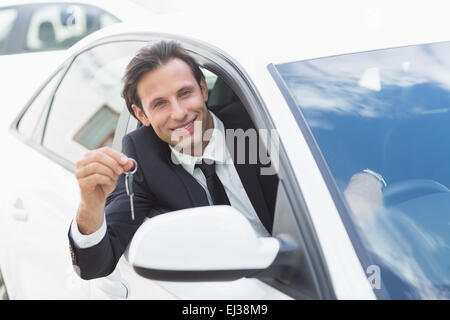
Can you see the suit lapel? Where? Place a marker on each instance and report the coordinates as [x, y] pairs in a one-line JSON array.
[[171, 184], [195, 191]]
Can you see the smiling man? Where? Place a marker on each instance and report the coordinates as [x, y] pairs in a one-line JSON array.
[[172, 101], [166, 91]]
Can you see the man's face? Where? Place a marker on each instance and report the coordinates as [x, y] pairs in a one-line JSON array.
[[174, 104]]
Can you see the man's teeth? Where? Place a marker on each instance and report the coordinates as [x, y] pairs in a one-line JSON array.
[[185, 126]]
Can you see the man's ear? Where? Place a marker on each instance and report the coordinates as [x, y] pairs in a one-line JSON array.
[[204, 89], [141, 115]]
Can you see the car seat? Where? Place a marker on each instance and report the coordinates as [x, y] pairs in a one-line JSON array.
[[221, 94]]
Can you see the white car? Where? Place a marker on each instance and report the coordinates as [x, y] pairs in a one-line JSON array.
[[343, 93], [34, 35]]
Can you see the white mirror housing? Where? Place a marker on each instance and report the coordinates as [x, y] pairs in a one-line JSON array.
[[203, 239]]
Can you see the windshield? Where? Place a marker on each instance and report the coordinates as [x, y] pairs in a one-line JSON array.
[[381, 120]]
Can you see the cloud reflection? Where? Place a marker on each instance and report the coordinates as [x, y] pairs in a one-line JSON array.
[[345, 84], [387, 110], [407, 250]]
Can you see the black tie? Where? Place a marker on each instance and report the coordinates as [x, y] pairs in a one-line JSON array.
[[215, 187]]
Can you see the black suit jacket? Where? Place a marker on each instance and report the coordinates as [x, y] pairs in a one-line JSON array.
[[160, 186]]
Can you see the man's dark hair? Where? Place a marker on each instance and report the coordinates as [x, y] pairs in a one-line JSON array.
[[150, 58]]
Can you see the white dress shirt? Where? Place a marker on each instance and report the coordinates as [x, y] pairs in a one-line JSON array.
[[217, 151]]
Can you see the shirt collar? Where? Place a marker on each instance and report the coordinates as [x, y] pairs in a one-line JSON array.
[[216, 149]]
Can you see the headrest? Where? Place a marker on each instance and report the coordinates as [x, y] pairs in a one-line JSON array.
[[221, 94], [47, 32]]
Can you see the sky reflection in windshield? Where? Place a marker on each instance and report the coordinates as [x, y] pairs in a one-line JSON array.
[[389, 110]]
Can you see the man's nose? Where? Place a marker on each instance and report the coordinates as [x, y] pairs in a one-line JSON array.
[[178, 111]]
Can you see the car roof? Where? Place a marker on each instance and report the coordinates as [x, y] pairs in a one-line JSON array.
[[295, 31], [125, 10], [24, 2]]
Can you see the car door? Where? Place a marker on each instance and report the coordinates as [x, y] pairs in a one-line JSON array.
[[142, 288], [89, 95], [37, 204], [66, 119], [306, 276]]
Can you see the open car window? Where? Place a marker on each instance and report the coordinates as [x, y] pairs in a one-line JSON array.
[[86, 106]]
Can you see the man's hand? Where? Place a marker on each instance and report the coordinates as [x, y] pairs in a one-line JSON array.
[[97, 175], [364, 195]]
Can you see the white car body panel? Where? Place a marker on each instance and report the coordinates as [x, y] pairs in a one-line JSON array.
[[21, 75], [37, 213]]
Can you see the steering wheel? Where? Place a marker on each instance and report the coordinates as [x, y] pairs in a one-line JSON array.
[[406, 190]]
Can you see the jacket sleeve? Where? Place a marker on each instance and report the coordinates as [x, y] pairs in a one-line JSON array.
[[101, 259]]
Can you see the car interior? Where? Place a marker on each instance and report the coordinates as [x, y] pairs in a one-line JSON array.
[[47, 34], [221, 95]]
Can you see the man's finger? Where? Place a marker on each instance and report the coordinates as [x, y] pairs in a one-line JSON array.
[[129, 165], [102, 157], [126, 163], [95, 167], [90, 182], [118, 156]]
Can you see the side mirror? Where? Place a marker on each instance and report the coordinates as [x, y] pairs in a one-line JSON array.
[[214, 243]]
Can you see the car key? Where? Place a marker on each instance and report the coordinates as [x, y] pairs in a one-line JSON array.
[[129, 186]]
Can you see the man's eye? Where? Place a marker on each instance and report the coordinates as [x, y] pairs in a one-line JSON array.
[[159, 104], [185, 93]]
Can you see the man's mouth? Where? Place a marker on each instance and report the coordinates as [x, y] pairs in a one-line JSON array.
[[185, 128]]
